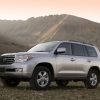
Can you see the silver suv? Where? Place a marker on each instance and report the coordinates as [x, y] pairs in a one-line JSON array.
[[60, 61]]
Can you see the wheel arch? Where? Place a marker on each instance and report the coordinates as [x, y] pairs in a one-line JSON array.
[[95, 68], [47, 65]]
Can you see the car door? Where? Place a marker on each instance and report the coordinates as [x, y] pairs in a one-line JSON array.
[[63, 62], [79, 60], [71, 63]]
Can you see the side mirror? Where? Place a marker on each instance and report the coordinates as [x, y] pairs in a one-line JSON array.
[[61, 50]]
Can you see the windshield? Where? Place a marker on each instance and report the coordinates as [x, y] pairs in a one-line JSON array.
[[44, 47]]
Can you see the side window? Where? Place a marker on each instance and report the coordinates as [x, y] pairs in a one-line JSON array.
[[67, 46], [77, 50], [91, 51]]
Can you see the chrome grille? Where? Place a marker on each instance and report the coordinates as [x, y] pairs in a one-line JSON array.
[[8, 59]]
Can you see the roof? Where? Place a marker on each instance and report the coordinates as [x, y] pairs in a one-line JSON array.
[[74, 41], [80, 42]]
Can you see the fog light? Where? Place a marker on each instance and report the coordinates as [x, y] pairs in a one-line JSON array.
[[19, 70]]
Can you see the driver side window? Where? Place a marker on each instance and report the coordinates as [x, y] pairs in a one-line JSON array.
[[67, 46]]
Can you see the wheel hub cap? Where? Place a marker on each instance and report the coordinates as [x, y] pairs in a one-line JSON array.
[[42, 78], [93, 79]]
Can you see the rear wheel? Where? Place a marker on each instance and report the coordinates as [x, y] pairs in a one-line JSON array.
[[62, 83], [41, 78], [92, 79], [10, 82]]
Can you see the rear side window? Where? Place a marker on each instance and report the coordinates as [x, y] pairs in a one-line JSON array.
[[67, 46], [77, 50], [91, 51]]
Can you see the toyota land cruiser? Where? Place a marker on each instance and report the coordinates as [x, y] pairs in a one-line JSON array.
[[60, 61]]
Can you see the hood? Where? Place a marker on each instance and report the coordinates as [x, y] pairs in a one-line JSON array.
[[35, 54], [7, 54]]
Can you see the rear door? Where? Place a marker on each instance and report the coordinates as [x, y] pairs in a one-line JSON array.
[[78, 60]]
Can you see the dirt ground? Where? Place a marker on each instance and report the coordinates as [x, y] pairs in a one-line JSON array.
[[74, 91]]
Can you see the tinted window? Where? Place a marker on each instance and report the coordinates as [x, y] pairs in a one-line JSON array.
[[91, 51], [77, 50], [67, 46]]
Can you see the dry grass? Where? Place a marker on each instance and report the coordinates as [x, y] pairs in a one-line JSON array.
[[74, 91]]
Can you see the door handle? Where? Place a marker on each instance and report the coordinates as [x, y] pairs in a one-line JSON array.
[[72, 59]]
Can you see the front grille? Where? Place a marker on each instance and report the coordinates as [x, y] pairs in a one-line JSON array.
[[8, 59]]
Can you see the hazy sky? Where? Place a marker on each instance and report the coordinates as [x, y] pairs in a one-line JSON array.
[[23, 9]]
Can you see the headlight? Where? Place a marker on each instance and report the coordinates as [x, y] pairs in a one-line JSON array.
[[23, 58]]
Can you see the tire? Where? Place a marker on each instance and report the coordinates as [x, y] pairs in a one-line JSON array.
[[62, 83], [92, 79], [10, 82], [41, 78]]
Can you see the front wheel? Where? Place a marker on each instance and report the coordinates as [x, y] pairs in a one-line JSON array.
[[92, 79], [41, 78]]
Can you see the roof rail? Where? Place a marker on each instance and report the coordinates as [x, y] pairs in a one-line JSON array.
[[80, 42]]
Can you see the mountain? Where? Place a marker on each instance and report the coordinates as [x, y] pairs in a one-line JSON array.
[[49, 28], [7, 46]]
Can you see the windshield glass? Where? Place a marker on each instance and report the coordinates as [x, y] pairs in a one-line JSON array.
[[44, 47]]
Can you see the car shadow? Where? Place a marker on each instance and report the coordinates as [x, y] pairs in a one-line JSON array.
[[20, 87], [52, 87], [66, 88]]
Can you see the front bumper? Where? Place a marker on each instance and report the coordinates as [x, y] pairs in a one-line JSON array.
[[17, 70]]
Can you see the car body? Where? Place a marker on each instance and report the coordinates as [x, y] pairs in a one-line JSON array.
[[65, 60]]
